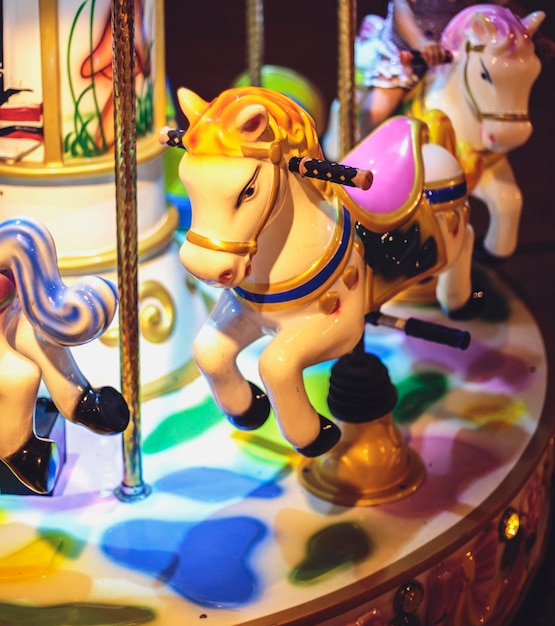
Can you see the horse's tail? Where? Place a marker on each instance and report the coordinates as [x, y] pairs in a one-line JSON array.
[[64, 315]]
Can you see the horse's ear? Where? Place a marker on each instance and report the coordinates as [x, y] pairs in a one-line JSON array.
[[252, 121], [533, 21], [483, 31], [192, 105]]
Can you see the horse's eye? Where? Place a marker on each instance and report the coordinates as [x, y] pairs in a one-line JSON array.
[[485, 75], [248, 190]]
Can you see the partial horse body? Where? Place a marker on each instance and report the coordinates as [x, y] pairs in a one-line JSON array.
[[484, 94], [300, 259], [40, 319]]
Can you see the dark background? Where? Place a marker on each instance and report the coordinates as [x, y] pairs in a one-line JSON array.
[[206, 50]]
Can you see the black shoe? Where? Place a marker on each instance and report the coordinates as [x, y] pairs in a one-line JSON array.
[[328, 437], [256, 414], [36, 464], [104, 411]]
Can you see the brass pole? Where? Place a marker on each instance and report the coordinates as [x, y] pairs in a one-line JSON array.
[[346, 20], [132, 486], [255, 40]]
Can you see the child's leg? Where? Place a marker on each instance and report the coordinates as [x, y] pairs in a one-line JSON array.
[[377, 105]]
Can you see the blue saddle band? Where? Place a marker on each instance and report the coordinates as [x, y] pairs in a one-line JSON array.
[[311, 285], [446, 194]]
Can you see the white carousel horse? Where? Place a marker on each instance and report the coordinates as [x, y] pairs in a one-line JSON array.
[[40, 319], [485, 94], [288, 249]]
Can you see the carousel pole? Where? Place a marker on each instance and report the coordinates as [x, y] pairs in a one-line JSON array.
[[255, 40], [346, 19], [132, 486]]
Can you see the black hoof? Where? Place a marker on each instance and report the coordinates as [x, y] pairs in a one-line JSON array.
[[104, 411], [36, 464], [256, 414], [471, 310], [481, 254], [328, 437]]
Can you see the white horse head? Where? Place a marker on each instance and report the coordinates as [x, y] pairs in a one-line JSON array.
[[234, 170], [494, 69]]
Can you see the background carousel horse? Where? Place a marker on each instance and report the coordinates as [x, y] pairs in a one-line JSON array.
[[40, 319], [284, 247], [482, 96]]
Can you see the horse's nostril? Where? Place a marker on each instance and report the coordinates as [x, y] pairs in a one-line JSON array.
[[226, 276]]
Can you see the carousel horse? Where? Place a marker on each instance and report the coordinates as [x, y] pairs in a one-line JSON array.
[[477, 106], [40, 320], [298, 257]]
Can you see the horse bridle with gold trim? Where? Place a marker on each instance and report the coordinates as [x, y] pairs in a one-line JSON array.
[[479, 114], [273, 153]]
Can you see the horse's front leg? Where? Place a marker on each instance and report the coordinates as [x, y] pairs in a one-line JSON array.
[[498, 189], [228, 330], [300, 343]]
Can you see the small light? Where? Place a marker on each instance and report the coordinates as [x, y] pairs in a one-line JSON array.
[[408, 598], [509, 525]]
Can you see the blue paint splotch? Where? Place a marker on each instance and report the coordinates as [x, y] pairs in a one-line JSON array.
[[207, 562], [212, 484]]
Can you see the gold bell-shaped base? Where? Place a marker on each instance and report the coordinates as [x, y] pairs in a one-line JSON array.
[[370, 465]]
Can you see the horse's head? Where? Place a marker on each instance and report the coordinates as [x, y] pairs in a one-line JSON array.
[[498, 67], [237, 149]]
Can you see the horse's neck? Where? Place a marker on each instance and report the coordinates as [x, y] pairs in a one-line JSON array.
[[296, 236], [446, 91]]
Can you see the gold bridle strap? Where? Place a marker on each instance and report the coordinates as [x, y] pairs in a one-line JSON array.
[[246, 247], [480, 115], [219, 245]]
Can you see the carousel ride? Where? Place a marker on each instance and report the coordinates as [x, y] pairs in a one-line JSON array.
[[406, 477]]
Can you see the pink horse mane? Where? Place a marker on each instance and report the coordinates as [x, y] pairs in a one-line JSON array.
[[508, 25]]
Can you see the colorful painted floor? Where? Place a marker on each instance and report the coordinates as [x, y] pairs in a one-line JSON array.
[[229, 535]]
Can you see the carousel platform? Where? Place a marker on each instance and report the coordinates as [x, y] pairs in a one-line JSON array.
[[231, 535]]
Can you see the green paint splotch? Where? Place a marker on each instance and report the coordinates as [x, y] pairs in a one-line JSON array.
[[417, 393], [63, 543], [183, 426], [335, 546], [76, 614], [317, 383]]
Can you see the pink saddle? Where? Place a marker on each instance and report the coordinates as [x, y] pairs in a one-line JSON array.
[[393, 153]]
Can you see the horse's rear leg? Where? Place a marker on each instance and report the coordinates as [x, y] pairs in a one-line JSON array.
[[454, 285], [293, 349], [103, 411], [33, 460]]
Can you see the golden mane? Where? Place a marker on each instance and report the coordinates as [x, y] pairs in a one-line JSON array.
[[213, 130]]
